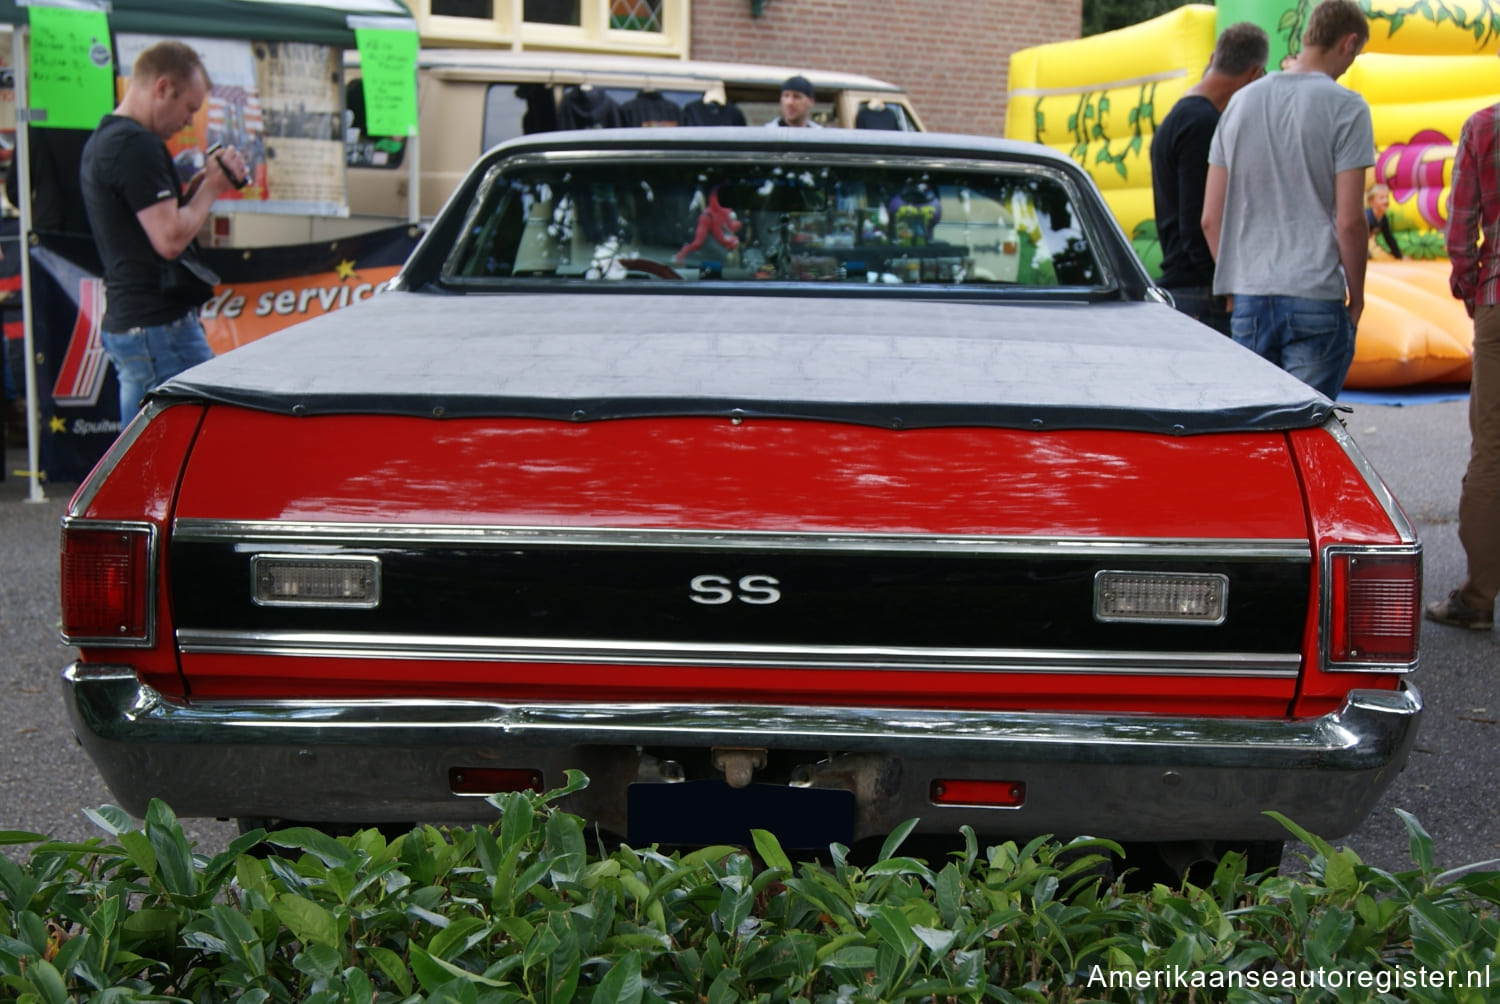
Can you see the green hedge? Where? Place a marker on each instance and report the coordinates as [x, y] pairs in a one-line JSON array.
[[523, 911]]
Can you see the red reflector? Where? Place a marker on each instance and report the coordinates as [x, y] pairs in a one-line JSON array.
[[1002, 793], [1375, 601], [106, 583], [490, 780]]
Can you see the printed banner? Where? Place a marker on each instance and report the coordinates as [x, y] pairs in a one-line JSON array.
[[262, 290], [279, 104]]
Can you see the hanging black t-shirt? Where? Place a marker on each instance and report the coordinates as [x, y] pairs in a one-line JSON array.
[[870, 118], [541, 109], [1179, 170], [590, 109], [650, 108], [709, 113], [126, 168]]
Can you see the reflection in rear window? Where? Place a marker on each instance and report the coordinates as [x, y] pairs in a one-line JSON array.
[[749, 221]]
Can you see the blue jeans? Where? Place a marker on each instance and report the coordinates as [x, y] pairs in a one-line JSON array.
[[1313, 340], [147, 357]]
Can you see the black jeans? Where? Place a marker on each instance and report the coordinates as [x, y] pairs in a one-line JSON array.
[[1199, 303]]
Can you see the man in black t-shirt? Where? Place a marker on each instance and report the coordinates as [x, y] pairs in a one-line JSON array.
[[1179, 170], [144, 222]]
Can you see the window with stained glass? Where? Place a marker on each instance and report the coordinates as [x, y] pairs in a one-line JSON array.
[[635, 15]]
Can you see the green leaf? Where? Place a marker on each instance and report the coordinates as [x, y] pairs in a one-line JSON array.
[[516, 820], [16, 885], [395, 970], [734, 906], [433, 973], [174, 859], [724, 990], [1339, 874], [937, 941], [315, 842], [48, 982], [8, 837], [896, 838], [564, 846], [948, 890], [319, 961], [574, 781], [151, 925], [623, 983], [138, 847], [111, 819], [455, 938], [1317, 843], [309, 922], [1420, 842], [895, 930], [769, 849]]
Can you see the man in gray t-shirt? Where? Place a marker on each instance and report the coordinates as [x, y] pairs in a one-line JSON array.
[[1283, 209]]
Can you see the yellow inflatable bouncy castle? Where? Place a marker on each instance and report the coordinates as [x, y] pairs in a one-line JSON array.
[[1427, 67]]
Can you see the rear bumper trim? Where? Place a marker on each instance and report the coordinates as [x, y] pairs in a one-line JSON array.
[[1130, 777]]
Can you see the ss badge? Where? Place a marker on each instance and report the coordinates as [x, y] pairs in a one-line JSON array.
[[715, 590]]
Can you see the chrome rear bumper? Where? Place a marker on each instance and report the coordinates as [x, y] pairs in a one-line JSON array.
[[1129, 777]]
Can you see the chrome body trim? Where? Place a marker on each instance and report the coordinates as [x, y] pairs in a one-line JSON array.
[[1404, 528], [153, 562], [379, 534], [356, 645], [1130, 777]]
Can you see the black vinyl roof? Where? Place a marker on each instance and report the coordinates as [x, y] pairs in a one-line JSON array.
[[896, 363]]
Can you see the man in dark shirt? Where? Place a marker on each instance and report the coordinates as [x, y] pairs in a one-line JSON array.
[[797, 98], [143, 221], [1179, 168]]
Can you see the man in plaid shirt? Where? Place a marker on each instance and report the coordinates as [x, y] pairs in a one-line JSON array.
[[1474, 250]]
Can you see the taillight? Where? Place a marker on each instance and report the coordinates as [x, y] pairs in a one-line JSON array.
[[106, 580], [1373, 601]]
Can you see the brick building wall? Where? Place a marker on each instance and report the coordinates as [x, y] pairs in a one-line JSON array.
[[951, 56]]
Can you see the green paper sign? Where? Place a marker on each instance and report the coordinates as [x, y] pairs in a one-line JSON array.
[[388, 66], [72, 77]]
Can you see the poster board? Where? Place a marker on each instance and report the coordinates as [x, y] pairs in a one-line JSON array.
[[281, 104]]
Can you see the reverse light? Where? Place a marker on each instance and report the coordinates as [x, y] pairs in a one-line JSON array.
[[1373, 608], [106, 577], [311, 581], [1161, 597], [999, 794]]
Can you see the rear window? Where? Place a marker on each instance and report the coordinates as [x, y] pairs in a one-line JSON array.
[[749, 220]]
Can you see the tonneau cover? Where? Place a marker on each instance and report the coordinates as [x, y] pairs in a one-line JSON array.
[[876, 361]]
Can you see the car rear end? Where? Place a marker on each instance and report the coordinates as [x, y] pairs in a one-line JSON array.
[[819, 628], [897, 499]]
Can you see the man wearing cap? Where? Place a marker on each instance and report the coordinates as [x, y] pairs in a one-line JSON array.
[[796, 104]]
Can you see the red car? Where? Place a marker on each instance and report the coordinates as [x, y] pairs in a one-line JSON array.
[[809, 480]]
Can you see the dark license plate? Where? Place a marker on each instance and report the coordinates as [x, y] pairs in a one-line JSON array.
[[711, 812]]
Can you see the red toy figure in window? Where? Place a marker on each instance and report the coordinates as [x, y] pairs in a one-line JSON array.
[[717, 222]]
